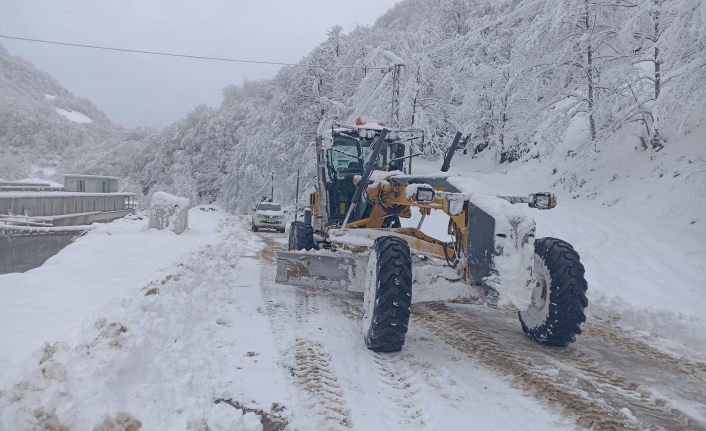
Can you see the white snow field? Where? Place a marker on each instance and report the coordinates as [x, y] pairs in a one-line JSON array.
[[190, 332], [75, 116]]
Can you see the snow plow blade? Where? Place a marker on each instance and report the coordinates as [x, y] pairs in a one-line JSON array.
[[301, 268]]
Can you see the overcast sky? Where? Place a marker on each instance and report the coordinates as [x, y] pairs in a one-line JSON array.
[[142, 90]]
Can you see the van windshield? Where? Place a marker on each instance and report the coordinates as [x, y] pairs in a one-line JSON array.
[[269, 207]]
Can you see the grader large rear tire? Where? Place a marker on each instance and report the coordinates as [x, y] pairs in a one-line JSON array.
[[558, 300], [301, 236], [388, 295]]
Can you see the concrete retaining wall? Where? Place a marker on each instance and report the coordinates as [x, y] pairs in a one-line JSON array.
[[57, 203]]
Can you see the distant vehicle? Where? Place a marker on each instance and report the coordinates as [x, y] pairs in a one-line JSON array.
[[268, 215]]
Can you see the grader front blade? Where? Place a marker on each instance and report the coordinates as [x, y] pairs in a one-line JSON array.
[[341, 272]]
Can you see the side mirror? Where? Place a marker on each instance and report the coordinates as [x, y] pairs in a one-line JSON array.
[[286, 211]]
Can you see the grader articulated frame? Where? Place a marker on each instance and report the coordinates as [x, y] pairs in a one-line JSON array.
[[492, 246]]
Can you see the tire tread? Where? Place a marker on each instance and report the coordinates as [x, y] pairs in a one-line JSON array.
[[567, 294], [301, 236], [391, 321]]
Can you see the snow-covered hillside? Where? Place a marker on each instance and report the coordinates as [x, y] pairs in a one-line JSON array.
[[43, 124], [513, 76]]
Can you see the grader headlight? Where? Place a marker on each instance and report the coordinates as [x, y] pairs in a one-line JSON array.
[[424, 195]]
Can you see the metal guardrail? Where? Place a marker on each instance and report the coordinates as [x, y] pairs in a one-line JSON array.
[[24, 221]]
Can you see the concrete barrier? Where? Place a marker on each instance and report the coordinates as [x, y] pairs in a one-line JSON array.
[[169, 212]]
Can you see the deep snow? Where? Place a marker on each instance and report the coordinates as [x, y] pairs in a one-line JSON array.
[[57, 298]]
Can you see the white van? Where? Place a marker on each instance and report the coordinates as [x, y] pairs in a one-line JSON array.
[[268, 215]]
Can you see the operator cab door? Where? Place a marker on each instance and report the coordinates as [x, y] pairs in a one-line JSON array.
[[344, 164]]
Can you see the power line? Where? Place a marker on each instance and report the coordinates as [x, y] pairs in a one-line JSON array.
[[199, 57], [167, 54]]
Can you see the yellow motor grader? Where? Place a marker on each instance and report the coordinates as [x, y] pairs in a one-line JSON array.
[[352, 239]]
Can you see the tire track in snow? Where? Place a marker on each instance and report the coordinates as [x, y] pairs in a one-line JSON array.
[[307, 361], [307, 304], [596, 404], [315, 376], [402, 408], [686, 366]]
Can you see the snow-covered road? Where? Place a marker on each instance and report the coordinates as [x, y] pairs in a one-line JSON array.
[[212, 343], [337, 383], [447, 375]]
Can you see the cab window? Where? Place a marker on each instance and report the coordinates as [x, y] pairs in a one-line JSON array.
[[366, 147], [344, 157]]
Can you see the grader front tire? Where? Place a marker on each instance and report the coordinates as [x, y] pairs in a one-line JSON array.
[[301, 236], [388, 295], [558, 301]]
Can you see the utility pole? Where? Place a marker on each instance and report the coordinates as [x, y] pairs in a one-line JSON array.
[[396, 69], [396, 96], [272, 193], [296, 201]]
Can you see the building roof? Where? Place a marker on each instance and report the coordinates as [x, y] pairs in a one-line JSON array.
[[105, 177], [57, 194]]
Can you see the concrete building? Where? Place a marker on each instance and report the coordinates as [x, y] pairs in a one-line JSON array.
[[91, 183], [64, 208], [38, 219]]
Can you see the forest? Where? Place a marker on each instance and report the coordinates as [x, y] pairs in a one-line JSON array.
[[512, 76]]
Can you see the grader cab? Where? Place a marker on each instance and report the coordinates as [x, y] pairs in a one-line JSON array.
[[353, 240]]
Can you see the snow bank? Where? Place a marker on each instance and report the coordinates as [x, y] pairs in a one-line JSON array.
[[164, 345], [169, 212], [49, 302]]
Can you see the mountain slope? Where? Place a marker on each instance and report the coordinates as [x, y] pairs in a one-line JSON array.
[[41, 122], [515, 77]]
